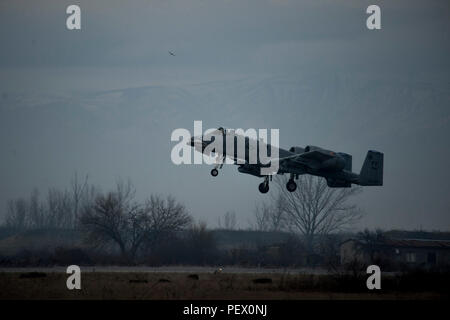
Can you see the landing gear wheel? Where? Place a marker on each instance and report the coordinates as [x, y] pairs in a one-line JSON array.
[[214, 172], [263, 187], [291, 186]]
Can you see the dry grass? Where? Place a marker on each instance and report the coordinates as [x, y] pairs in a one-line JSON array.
[[121, 285]]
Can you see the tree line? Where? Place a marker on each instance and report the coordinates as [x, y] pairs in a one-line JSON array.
[[115, 220]]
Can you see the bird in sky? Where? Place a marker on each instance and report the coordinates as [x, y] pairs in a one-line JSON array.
[[171, 53]]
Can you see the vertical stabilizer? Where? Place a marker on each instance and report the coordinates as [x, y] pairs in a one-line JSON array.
[[372, 169]]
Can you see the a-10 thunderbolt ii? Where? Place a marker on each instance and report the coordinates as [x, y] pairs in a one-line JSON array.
[[335, 167]]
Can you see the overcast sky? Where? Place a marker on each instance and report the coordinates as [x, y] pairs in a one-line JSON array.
[[104, 100]]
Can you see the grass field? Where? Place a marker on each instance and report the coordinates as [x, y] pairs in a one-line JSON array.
[[172, 285]]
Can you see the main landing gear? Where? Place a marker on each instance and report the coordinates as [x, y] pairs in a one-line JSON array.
[[291, 186]]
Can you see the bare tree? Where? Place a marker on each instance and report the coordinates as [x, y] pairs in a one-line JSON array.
[[117, 218], [58, 209], [261, 217], [30, 213], [17, 214], [106, 221], [36, 211], [228, 221], [79, 191], [163, 216], [371, 242], [201, 244], [315, 209], [270, 216]]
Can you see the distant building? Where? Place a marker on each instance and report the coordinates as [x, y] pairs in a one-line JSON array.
[[411, 252]]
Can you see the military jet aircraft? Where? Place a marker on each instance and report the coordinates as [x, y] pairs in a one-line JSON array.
[[335, 167]]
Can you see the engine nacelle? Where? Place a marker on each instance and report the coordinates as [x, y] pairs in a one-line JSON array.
[[297, 150], [336, 163], [348, 160], [312, 148]]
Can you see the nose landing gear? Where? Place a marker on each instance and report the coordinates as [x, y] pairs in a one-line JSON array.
[[264, 186], [219, 165]]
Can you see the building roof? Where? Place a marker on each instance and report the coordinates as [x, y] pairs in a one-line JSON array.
[[418, 243], [409, 243]]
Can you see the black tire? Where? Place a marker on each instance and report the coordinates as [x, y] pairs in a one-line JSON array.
[[214, 172], [291, 186], [263, 187]]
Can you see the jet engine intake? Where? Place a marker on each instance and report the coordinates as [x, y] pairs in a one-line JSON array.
[[297, 150]]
